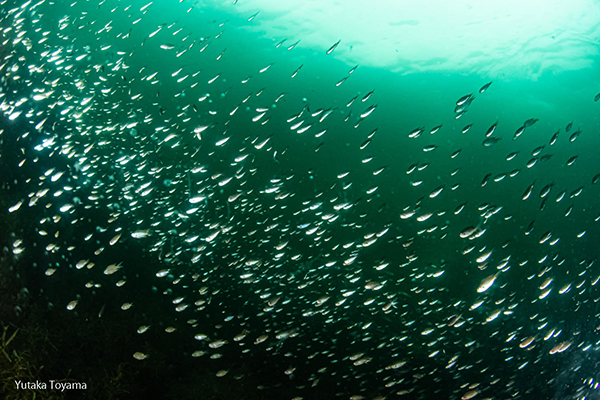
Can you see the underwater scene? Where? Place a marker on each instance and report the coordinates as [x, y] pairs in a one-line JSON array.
[[299, 200]]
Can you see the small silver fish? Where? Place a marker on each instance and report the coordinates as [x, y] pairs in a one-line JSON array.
[[485, 87], [332, 48]]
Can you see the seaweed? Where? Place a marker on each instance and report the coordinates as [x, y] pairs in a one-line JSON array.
[[15, 366]]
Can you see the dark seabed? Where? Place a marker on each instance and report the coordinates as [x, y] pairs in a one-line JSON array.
[[259, 200]]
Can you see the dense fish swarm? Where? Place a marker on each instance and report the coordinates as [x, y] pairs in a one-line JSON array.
[[300, 228]]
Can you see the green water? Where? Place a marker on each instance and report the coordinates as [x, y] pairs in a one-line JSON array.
[[294, 274]]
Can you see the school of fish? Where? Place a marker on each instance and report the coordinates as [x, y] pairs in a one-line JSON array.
[[290, 227]]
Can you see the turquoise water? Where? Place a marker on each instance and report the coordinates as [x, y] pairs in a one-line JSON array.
[[272, 238]]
